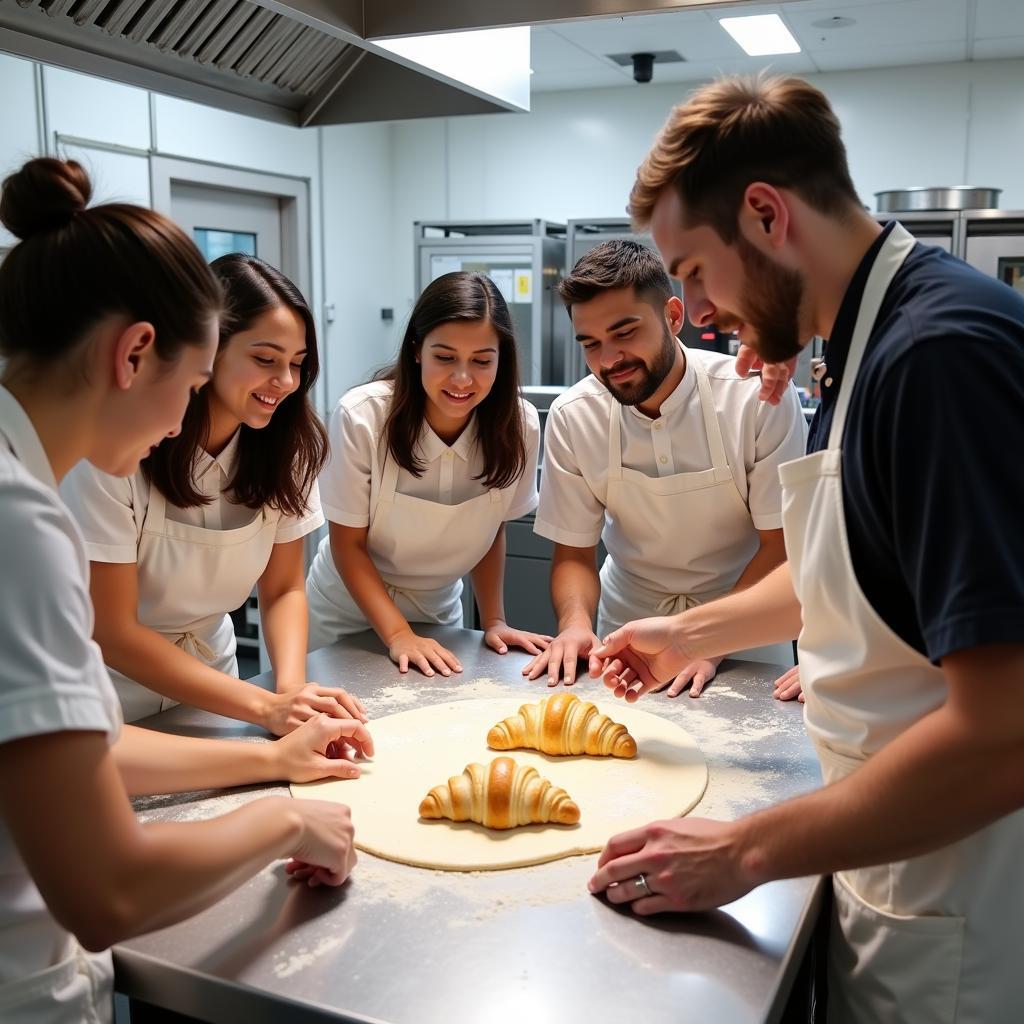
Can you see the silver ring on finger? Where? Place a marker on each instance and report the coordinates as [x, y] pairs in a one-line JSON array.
[[640, 883]]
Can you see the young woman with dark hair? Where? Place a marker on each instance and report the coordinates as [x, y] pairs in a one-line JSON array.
[[104, 374], [428, 463], [218, 508]]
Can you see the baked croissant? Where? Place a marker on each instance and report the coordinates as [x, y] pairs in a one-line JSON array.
[[502, 794], [563, 724]]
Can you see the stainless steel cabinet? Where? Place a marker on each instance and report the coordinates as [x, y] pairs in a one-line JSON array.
[[525, 260], [994, 243]]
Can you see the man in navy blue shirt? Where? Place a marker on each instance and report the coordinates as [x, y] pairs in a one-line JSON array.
[[904, 529]]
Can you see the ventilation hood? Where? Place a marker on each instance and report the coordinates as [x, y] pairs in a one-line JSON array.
[[300, 62]]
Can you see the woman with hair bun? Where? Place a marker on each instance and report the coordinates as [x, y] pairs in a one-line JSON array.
[[105, 374], [220, 507], [427, 465]]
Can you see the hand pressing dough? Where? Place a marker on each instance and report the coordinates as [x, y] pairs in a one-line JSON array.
[[563, 724], [665, 780], [502, 794]]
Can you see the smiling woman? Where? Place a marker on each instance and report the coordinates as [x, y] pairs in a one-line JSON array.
[[427, 465], [220, 506]]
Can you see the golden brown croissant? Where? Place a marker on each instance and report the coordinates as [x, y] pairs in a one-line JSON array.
[[502, 794], [563, 724]]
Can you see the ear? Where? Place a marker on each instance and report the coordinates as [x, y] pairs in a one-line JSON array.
[[674, 314], [764, 216], [134, 348]]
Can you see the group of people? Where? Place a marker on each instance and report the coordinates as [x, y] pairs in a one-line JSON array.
[[160, 457]]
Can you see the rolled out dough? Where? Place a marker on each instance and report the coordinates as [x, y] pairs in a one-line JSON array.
[[418, 749]]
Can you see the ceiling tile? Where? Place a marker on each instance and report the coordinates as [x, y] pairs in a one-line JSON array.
[[898, 23], [549, 51], [889, 55]]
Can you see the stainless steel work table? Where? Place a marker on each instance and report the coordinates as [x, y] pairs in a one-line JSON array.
[[400, 944]]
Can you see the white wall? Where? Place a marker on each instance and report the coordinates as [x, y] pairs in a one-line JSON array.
[[112, 129], [576, 153], [358, 251]]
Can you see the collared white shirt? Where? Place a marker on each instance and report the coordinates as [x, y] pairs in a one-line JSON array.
[[52, 676], [111, 510], [758, 438], [356, 431]]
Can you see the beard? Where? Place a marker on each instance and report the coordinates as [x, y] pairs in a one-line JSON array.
[[773, 297], [648, 378]]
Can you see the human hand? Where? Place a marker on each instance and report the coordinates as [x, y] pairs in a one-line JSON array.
[[407, 649], [324, 853], [697, 674], [560, 658], [287, 711], [775, 377], [312, 751], [500, 636], [640, 657], [787, 686], [688, 864]]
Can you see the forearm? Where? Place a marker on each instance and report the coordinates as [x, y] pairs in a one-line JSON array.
[[488, 577], [155, 762], [363, 582], [922, 791], [147, 657], [766, 558], [575, 589], [181, 869], [285, 622], [766, 612]]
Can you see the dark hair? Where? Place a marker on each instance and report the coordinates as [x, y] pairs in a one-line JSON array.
[[620, 263], [730, 133], [76, 265], [278, 464], [499, 418]]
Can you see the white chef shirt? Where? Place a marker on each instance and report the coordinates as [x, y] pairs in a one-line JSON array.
[[111, 510], [356, 431], [758, 438], [52, 676]]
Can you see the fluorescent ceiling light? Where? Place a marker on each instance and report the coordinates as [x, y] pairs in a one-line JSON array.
[[761, 34]]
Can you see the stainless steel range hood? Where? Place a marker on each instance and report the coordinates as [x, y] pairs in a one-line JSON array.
[[302, 62]]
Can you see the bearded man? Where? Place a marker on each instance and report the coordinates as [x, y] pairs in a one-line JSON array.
[[665, 452]]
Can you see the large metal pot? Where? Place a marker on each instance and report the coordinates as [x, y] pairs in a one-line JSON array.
[[950, 197]]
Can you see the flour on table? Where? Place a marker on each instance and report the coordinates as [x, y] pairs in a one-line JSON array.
[[423, 747]]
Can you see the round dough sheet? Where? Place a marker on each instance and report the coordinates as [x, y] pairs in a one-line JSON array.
[[419, 749]]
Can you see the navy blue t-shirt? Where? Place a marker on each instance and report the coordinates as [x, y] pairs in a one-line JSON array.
[[933, 478]]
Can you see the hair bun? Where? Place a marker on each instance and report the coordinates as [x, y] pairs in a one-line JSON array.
[[43, 196]]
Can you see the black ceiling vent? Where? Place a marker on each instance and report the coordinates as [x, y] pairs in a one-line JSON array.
[[660, 57]]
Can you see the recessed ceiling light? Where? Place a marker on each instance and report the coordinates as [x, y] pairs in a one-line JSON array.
[[761, 34]]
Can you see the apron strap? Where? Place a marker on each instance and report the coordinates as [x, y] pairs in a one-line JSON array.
[[894, 251], [385, 491], [196, 646], [156, 512], [716, 446]]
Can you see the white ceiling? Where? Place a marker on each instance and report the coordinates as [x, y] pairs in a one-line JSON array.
[[886, 33]]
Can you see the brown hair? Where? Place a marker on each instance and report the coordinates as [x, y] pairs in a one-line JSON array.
[[76, 265], [499, 418], [278, 464], [619, 263], [738, 130]]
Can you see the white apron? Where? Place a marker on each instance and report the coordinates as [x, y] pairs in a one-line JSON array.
[[78, 989], [435, 545], [190, 580], [675, 541], [933, 939]]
